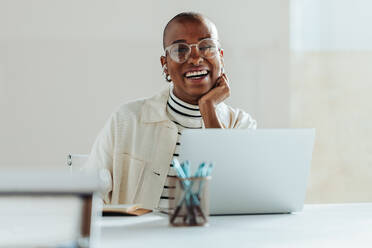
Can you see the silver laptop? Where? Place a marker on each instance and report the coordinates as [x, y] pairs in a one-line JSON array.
[[255, 171]]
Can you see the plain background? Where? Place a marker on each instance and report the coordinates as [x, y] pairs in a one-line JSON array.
[[65, 66]]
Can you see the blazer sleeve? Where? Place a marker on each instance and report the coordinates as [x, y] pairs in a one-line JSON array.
[[244, 120], [100, 159]]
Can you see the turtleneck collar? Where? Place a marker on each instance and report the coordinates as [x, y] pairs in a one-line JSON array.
[[181, 107], [188, 115]]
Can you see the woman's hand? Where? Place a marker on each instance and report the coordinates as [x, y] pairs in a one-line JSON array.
[[218, 93], [209, 101]]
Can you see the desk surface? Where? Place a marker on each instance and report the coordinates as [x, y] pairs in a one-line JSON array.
[[328, 225]]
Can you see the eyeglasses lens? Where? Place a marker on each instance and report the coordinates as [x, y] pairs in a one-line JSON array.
[[180, 52]]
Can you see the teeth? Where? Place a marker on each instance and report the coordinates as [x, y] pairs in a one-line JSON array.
[[196, 73]]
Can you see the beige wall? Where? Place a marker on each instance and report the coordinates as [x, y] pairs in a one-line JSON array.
[[331, 91], [66, 65]]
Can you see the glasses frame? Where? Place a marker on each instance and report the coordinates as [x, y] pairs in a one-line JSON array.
[[167, 49]]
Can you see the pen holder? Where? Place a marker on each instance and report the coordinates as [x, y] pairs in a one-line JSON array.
[[190, 206]]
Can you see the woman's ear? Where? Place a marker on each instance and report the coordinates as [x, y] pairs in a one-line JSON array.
[[163, 61]]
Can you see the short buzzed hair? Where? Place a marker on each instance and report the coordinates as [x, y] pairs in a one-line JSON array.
[[187, 16]]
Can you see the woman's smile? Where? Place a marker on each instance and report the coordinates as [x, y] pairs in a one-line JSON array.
[[196, 75]]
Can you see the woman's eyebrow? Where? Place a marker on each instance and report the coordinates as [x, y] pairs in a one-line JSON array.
[[206, 37], [179, 41], [184, 41]]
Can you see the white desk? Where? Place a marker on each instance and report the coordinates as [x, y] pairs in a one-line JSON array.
[[338, 225], [331, 225]]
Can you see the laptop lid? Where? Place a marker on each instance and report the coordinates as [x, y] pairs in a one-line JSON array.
[[255, 171]]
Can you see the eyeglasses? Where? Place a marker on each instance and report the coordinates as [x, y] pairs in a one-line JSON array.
[[180, 52]]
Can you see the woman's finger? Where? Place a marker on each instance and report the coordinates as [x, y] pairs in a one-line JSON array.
[[225, 77], [224, 81]]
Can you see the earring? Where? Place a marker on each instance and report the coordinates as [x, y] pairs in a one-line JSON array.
[[167, 76]]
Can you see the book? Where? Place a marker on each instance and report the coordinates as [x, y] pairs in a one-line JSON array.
[[124, 210]]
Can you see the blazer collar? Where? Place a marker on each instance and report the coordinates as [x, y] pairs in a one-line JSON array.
[[155, 108]]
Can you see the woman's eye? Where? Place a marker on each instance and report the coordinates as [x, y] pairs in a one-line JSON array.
[[205, 48], [182, 50]]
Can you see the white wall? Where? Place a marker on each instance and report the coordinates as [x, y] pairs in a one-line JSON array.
[[66, 65], [331, 25]]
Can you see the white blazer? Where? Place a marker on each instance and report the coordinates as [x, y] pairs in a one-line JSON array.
[[134, 150]]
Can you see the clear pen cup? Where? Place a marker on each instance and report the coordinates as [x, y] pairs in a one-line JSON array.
[[190, 206]]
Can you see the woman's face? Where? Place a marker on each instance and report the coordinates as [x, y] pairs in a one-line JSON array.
[[192, 31]]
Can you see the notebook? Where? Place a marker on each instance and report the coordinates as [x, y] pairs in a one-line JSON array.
[[124, 209]]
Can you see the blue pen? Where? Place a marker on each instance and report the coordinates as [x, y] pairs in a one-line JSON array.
[[191, 199]]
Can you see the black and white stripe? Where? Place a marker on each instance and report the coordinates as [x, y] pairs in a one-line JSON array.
[[185, 116]]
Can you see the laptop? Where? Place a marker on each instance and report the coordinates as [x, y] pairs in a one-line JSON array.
[[255, 171]]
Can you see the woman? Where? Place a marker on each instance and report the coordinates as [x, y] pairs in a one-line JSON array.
[[133, 152]]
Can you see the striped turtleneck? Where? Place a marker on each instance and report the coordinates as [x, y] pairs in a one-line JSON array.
[[185, 116]]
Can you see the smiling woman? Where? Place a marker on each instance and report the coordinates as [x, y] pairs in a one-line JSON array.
[[134, 150]]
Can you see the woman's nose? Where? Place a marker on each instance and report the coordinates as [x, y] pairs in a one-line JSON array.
[[195, 57]]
